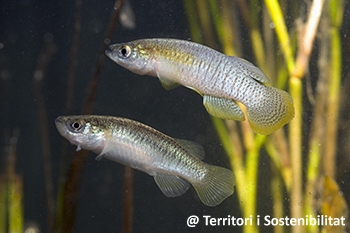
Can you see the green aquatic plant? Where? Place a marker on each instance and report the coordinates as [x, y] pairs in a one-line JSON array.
[[11, 191], [287, 69]]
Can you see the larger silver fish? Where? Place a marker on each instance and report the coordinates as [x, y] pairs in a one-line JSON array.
[[220, 79], [174, 163]]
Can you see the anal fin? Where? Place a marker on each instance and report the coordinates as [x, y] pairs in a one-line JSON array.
[[171, 186], [222, 108]]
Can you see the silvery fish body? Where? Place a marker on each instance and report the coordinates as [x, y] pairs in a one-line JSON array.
[[220, 79], [174, 163]]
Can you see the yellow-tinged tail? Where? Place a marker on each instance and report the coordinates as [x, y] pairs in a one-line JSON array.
[[272, 112], [216, 186]]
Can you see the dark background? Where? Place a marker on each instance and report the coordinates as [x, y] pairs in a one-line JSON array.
[[25, 26]]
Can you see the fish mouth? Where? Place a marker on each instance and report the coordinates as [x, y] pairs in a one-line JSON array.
[[109, 51], [61, 127]]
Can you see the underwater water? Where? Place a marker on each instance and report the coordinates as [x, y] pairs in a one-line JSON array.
[[36, 39]]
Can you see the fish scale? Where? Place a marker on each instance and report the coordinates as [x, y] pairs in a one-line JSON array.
[[221, 80]]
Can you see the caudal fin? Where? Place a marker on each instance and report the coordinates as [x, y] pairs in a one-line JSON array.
[[272, 112], [216, 186]]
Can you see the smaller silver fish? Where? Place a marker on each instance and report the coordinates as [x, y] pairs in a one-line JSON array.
[[174, 163]]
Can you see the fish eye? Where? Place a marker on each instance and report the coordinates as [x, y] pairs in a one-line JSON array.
[[76, 126], [125, 51]]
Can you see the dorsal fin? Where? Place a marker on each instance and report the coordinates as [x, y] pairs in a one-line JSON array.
[[251, 70], [192, 147]]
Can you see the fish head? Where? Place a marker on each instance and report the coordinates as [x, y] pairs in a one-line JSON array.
[[82, 131], [135, 56]]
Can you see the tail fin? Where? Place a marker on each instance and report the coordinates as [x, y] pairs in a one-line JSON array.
[[216, 186], [271, 113]]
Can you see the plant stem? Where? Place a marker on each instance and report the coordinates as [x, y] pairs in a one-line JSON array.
[[279, 162], [252, 162], [316, 140], [256, 38], [295, 140], [336, 12], [228, 27], [73, 55], [14, 188], [281, 30], [205, 22], [190, 8], [69, 100], [3, 203], [295, 126], [71, 188], [47, 52], [277, 196], [307, 38], [128, 203]]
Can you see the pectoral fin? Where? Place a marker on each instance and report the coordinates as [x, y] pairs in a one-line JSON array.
[[223, 108], [167, 84], [107, 147], [171, 186]]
